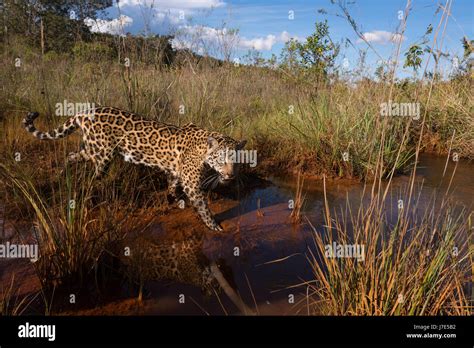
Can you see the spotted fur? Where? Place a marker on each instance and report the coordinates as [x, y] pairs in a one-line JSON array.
[[183, 153], [181, 261]]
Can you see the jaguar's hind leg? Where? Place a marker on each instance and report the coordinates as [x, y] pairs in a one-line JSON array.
[[74, 157], [101, 165]]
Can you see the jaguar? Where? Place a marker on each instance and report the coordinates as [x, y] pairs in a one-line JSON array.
[[185, 154], [181, 259]]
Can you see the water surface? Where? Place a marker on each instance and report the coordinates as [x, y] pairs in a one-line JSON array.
[[261, 229]]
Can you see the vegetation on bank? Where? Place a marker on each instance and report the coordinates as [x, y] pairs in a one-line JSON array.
[[418, 265], [291, 124], [303, 111]]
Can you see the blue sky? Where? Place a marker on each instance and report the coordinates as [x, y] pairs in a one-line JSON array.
[[265, 25]]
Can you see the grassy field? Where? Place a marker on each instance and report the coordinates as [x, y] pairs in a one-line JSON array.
[[279, 114]]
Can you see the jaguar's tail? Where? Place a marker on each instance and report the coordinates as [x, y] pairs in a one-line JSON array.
[[67, 128]]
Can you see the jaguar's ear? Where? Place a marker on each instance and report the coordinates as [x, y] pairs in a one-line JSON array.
[[212, 144], [241, 144]]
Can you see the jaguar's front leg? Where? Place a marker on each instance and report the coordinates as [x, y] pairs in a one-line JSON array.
[[173, 183], [199, 202]]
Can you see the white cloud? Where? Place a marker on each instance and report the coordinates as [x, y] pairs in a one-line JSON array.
[[200, 32], [381, 37], [285, 37], [196, 36], [164, 15], [172, 17], [259, 43], [114, 26], [175, 4], [193, 36], [266, 43]]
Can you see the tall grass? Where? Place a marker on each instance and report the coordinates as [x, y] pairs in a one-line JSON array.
[[78, 234], [291, 123], [68, 242], [421, 264], [298, 201]]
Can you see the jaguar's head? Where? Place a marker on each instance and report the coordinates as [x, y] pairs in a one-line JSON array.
[[223, 155]]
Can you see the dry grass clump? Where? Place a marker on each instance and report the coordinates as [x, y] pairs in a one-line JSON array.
[[421, 264]]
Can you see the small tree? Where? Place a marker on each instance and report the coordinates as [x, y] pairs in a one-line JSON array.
[[413, 58], [254, 58], [227, 41], [316, 55], [289, 56], [465, 65]]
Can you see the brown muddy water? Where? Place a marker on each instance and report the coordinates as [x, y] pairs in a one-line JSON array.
[[261, 254]]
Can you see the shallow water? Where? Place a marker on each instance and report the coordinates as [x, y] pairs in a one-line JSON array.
[[261, 254], [268, 235]]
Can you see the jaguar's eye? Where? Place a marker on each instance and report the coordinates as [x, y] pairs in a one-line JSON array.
[[221, 159]]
